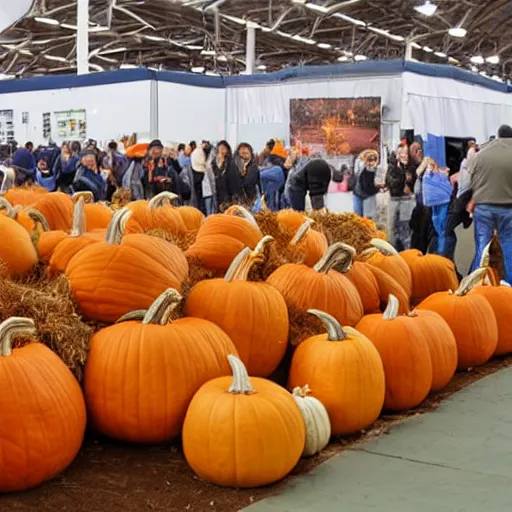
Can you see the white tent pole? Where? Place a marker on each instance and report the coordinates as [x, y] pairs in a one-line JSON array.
[[250, 56], [82, 37]]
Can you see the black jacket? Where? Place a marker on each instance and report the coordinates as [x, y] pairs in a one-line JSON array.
[[318, 176], [228, 181], [398, 177], [250, 176]]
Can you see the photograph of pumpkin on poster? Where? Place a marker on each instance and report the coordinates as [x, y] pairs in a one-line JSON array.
[[338, 129]]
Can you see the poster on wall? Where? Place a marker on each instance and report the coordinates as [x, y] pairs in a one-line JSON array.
[[71, 124], [6, 126], [338, 129], [47, 125]]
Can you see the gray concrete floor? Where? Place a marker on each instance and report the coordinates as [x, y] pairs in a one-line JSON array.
[[465, 249], [457, 458]]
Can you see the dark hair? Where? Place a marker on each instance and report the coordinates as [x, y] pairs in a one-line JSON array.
[[155, 144], [181, 147], [270, 144], [112, 145], [505, 132], [193, 144], [75, 147], [29, 145], [225, 143], [245, 145]]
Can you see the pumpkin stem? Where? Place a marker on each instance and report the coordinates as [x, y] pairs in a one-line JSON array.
[[6, 205], [115, 230], [39, 219], [339, 256], [160, 311], [505, 283], [392, 309], [384, 247], [138, 314], [301, 233], [12, 327], [469, 282], [9, 179], [164, 198], [492, 277], [86, 195], [79, 222], [301, 392], [241, 384], [245, 259], [334, 330], [239, 211]]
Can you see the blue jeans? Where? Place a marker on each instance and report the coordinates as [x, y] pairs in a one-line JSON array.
[[439, 219], [296, 199], [358, 205], [208, 205], [488, 218]]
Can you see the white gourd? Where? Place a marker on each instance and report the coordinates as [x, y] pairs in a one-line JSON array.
[[316, 420]]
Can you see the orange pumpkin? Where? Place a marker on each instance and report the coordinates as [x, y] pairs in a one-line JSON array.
[[97, 215], [32, 220], [321, 287], [243, 433], [192, 217], [362, 277], [314, 242], [221, 237], [140, 376], [17, 252], [345, 372], [254, 315], [24, 196], [471, 318], [290, 220], [122, 274], [388, 286], [430, 274], [43, 411], [57, 209], [405, 354], [384, 256]]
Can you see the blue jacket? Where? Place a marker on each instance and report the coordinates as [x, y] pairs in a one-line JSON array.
[[272, 180], [436, 189]]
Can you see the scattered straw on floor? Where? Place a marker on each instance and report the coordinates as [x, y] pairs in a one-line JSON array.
[[182, 240]]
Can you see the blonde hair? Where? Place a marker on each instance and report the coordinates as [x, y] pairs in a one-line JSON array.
[[425, 163]]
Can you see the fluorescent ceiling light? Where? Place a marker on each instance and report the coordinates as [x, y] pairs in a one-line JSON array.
[[55, 57], [343, 58], [494, 59], [210, 53], [113, 50], [300, 2], [199, 69], [127, 66], [324, 46], [474, 69], [303, 39], [385, 33], [350, 19], [212, 73], [416, 45], [6, 77], [483, 73], [477, 59], [48, 21], [458, 32], [453, 60], [317, 8], [441, 55], [358, 58], [427, 9], [222, 58], [193, 47], [155, 38], [235, 19], [427, 49], [262, 67], [70, 27], [497, 78], [99, 29]]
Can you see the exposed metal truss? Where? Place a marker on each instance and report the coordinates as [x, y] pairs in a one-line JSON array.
[[210, 34]]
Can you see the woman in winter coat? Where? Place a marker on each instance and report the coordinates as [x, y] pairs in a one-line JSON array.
[[88, 176], [366, 188], [159, 175], [228, 181], [249, 171], [67, 165]]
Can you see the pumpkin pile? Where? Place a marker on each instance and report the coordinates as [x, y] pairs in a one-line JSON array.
[[164, 323]]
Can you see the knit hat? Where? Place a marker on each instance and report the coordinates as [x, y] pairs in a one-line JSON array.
[[279, 150], [24, 160], [157, 143]]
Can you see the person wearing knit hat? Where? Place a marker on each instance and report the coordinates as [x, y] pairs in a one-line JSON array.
[[88, 177], [24, 163], [279, 150]]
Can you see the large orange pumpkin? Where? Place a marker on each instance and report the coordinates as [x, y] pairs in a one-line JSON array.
[[345, 372], [24, 196], [361, 276], [17, 252], [254, 315], [430, 274], [471, 318], [221, 237], [57, 209], [314, 242], [321, 287], [243, 433], [122, 274], [192, 217], [32, 220], [384, 256], [405, 354], [140, 376], [97, 215], [42, 409]]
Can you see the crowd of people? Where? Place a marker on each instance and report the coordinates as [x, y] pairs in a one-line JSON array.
[[417, 202]]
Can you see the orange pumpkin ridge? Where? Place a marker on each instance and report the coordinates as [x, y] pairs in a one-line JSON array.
[[253, 314], [315, 242], [43, 410], [344, 371], [243, 433], [17, 251], [322, 287], [140, 376]]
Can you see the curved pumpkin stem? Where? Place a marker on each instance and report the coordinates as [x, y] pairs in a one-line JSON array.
[[162, 199], [161, 310], [392, 309], [384, 247], [9, 179], [245, 259], [241, 384], [339, 256], [138, 314], [301, 233], [468, 283], [115, 230], [239, 211], [492, 277], [79, 222], [301, 392], [334, 330], [6, 205], [39, 219], [86, 195], [12, 327]]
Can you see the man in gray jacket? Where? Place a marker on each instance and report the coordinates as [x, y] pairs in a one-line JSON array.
[[491, 181]]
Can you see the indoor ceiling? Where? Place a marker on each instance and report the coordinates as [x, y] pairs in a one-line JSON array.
[[210, 35]]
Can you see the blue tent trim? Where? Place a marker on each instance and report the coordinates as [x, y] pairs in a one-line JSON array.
[[365, 68]]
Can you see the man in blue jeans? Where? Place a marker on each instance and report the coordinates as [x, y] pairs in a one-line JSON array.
[[491, 181]]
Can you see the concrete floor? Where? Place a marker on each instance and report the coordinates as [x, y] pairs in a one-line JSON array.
[[455, 459]]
